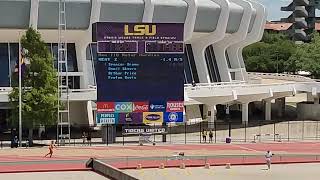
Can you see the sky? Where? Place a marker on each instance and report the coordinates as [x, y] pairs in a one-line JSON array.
[[273, 7]]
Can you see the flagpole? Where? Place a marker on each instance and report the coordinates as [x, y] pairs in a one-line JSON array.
[[20, 96]]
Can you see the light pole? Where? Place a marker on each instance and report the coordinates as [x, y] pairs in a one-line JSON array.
[[277, 61], [22, 60], [20, 95]]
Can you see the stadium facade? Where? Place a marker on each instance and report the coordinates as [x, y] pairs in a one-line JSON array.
[[216, 31]]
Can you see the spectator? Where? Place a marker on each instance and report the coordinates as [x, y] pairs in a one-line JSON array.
[[84, 138], [193, 84], [204, 136], [89, 138], [16, 141], [210, 136]]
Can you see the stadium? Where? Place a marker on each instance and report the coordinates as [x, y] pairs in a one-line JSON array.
[[215, 33]]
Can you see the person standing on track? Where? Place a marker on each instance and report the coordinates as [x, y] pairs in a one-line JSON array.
[[84, 137], [268, 158], [204, 136], [210, 136], [51, 146]]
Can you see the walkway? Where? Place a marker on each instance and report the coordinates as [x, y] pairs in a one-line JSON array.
[[278, 172]]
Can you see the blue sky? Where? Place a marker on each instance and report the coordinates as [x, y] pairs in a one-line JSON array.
[[273, 7]]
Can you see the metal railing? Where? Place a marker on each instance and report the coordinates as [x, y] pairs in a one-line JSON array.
[[215, 84], [280, 76]]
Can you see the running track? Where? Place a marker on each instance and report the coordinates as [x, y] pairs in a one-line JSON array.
[[37, 164]]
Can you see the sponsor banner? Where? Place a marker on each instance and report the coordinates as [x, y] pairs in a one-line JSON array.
[[173, 117], [157, 107], [123, 107], [105, 106], [107, 118], [175, 106], [130, 118], [140, 106], [152, 117], [144, 129]]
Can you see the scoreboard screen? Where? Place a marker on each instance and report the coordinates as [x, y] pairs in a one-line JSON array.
[[140, 72], [118, 47]]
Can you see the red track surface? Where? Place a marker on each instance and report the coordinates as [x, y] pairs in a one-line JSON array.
[[297, 147], [36, 163], [42, 167]]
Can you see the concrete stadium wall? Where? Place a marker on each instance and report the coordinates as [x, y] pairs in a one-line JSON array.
[[108, 171], [78, 113], [193, 112], [308, 111]]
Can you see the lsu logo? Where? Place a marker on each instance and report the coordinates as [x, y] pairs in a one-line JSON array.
[[140, 30]]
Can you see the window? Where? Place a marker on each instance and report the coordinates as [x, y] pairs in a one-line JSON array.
[[4, 68], [73, 82], [190, 68], [91, 55], [212, 64], [227, 58], [71, 56], [14, 56]]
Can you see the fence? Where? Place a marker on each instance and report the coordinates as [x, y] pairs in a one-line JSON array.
[[186, 133], [259, 131]]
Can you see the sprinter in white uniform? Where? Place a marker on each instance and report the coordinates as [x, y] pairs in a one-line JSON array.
[[268, 158]]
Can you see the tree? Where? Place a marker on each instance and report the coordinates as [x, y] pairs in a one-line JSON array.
[[308, 56], [272, 54], [39, 95]]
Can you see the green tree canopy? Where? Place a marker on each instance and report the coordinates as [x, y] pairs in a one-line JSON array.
[[277, 51], [272, 54], [308, 56], [39, 94]]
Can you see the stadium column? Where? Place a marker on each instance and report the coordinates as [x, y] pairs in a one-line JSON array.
[[255, 33], [82, 63], [280, 103], [310, 97], [95, 12], [316, 100], [242, 33], [222, 48], [245, 113], [81, 45], [190, 20], [212, 118], [200, 44], [148, 11], [34, 9], [267, 109]]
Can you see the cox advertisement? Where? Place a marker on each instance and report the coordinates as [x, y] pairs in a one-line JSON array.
[[139, 72]]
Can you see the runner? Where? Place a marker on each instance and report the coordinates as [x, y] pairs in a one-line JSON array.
[[268, 158], [51, 146]]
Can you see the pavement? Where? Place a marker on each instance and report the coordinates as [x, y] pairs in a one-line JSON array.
[[277, 172], [66, 175]]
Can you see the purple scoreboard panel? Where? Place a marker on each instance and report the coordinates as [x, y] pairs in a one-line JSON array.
[[140, 78]]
